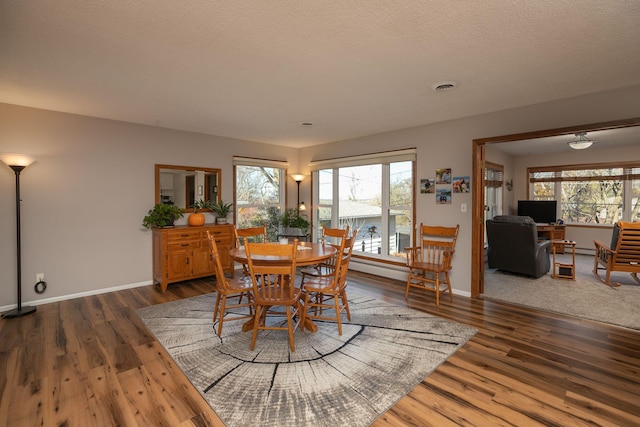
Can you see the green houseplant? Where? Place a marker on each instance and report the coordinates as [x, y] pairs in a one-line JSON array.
[[291, 221], [162, 215], [221, 209]]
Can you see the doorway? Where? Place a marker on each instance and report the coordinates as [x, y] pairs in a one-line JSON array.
[[478, 185]]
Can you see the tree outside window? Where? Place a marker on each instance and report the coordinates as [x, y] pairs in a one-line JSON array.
[[259, 197]]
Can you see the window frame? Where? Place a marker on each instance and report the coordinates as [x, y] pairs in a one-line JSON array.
[[282, 188], [384, 159], [627, 176]]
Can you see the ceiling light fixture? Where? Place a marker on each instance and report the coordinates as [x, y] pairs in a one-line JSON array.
[[581, 141]]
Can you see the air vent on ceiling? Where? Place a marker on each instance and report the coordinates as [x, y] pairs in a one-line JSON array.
[[444, 86]]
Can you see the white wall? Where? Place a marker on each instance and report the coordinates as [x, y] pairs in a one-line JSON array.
[[85, 197]]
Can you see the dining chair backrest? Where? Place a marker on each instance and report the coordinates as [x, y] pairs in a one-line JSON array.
[[221, 281], [254, 234], [333, 236], [272, 267], [345, 258], [437, 245]]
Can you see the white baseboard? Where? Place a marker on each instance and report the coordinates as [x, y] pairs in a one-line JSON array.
[[389, 271], [78, 295]]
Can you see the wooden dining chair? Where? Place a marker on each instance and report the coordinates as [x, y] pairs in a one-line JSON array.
[[325, 296], [253, 234], [330, 236], [238, 291], [273, 281], [429, 261]]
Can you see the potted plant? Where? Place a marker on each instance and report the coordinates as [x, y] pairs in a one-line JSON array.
[[222, 210], [196, 219], [293, 223], [162, 215]]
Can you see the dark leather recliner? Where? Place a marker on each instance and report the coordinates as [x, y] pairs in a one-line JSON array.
[[514, 246]]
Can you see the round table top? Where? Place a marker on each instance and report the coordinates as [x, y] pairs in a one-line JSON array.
[[308, 254]]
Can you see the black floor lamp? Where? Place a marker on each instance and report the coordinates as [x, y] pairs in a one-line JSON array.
[[298, 179], [18, 162]]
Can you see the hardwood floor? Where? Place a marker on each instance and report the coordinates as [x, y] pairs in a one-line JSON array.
[[91, 362]]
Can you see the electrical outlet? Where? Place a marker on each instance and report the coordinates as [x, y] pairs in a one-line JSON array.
[[39, 277]]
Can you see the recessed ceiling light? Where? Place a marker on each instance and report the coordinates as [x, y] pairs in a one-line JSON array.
[[306, 124], [444, 86]]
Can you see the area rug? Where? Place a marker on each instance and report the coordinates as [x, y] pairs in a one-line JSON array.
[[586, 297], [330, 380]]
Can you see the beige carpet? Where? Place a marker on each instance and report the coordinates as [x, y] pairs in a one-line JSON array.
[[586, 297]]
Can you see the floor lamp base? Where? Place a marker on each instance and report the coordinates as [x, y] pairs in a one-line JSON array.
[[23, 311]]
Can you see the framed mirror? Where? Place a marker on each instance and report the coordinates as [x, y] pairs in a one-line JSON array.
[[184, 185]]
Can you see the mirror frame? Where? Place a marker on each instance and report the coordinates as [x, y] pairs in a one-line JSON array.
[[158, 167], [477, 226]]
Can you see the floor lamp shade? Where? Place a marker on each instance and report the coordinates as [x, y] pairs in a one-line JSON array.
[[17, 163]]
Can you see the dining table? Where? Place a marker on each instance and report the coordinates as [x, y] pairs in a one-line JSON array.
[[308, 253]]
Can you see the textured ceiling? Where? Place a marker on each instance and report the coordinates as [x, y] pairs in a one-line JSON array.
[[256, 69]]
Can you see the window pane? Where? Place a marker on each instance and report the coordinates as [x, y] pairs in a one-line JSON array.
[[544, 191], [325, 186], [258, 195], [400, 203], [590, 202], [324, 220], [257, 185], [360, 190], [375, 199], [399, 231], [362, 184], [400, 184], [256, 216]]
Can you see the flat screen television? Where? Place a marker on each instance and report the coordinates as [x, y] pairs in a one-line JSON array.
[[542, 211]]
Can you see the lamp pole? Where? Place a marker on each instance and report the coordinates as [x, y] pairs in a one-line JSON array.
[[298, 179], [19, 311]]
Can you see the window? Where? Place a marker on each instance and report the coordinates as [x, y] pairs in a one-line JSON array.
[[373, 193], [260, 193], [493, 182], [593, 194]]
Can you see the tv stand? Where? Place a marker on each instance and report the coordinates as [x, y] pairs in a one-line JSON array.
[[552, 232]]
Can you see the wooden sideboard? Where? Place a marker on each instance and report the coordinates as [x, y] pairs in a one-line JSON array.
[[182, 252], [552, 232]]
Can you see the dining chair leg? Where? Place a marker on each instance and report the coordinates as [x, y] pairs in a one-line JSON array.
[[406, 292], [223, 306], [336, 307], [215, 310], [292, 346], [302, 311], [256, 324], [345, 304]]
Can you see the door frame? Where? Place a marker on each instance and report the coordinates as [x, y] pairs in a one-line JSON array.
[[477, 208]]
